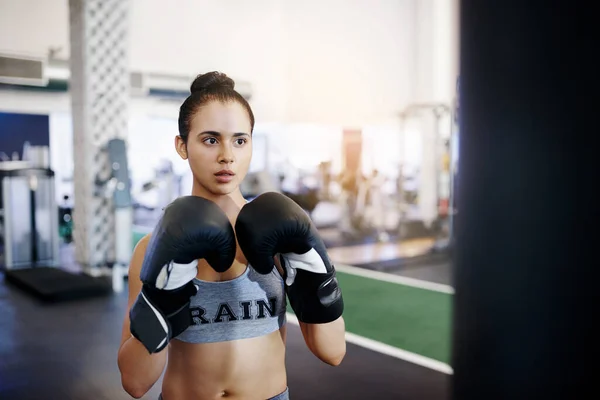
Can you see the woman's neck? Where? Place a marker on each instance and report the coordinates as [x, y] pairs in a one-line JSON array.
[[234, 199]]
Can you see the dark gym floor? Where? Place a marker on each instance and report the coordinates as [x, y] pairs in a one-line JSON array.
[[437, 272], [68, 351]]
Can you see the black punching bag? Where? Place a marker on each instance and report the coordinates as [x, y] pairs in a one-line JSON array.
[[527, 223]]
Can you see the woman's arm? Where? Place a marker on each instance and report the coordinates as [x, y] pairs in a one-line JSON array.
[[326, 341], [139, 369]]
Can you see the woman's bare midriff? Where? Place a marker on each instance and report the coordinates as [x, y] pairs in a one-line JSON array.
[[241, 369]]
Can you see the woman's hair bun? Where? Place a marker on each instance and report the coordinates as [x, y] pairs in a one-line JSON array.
[[212, 81]]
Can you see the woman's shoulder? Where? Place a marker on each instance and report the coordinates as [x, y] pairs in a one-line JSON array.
[[142, 245]]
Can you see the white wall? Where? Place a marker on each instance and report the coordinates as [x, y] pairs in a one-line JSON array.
[[349, 61], [33, 26], [240, 38], [343, 62]]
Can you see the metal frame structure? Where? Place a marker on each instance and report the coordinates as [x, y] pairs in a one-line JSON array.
[[22, 186], [438, 110]]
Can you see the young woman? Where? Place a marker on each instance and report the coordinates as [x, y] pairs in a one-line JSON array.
[[235, 346]]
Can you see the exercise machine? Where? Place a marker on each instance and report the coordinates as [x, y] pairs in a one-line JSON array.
[[28, 216], [32, 257], [257, 183], [444, 159], [117, 188], [29, 236]]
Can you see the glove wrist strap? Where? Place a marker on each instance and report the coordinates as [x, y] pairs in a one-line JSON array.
[[157, 316], [316, 298], [148, 324]]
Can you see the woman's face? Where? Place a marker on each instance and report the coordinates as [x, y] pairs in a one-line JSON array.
[[219, 147]]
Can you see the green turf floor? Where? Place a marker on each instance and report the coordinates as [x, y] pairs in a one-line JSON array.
[[405, 317], [409, 318]]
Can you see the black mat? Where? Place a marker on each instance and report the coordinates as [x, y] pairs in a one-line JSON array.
[[54, 284]]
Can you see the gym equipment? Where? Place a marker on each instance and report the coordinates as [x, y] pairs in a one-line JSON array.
[[257, 183], [165, 187], [28, 216], [29, 238], [325, 180], [65, 221], [117, 186], [154, 195], [444, 163]]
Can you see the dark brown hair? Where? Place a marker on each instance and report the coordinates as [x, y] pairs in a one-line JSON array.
[[211, 86]]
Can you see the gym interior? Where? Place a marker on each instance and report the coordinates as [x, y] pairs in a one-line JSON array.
[[399, 126]]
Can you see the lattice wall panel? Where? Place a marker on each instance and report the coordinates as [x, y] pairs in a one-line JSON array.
[[99, 89]]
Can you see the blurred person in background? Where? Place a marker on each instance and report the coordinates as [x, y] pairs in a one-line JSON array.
[[378, 204]]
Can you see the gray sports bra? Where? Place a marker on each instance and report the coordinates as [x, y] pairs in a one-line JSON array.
[[250, 305]]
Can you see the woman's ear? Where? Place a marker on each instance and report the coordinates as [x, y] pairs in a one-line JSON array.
[[181, 147]]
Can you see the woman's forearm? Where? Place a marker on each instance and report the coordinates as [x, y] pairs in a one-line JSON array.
[[326, 341], [139, 369]]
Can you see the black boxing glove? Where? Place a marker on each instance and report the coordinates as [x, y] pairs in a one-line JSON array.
[[191, 228], [274, 224]]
